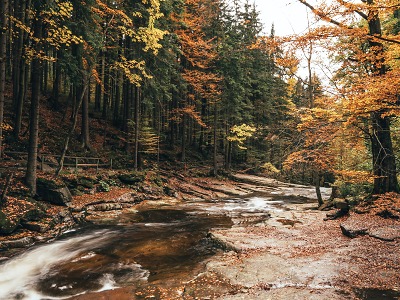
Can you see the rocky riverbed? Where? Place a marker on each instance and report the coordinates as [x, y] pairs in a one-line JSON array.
[[291, 253]]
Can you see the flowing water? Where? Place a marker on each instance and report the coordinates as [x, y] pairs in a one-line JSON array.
[[154, 247], [138, 248]]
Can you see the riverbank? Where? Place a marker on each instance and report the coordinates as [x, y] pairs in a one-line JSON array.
[[293, 253]]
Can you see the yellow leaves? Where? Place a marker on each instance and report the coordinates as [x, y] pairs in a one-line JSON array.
[[151, 37], [6, 127], [133, 70], [17, 23], [240, 133], [62, 36]]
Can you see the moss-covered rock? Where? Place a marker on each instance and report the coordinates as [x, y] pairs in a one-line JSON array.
[[86, 182], [54, 193], [8, 225], [132, 178]]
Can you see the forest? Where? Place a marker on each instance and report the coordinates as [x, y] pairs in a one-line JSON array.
[[179, 149], [142, 82]]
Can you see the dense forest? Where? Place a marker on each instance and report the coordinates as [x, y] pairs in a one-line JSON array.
[[185, 80]]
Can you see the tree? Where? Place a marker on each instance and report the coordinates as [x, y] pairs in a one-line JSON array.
[[3, 62], [373, 93], [37, 27]]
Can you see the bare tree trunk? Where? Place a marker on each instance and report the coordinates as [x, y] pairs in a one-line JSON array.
[[85, 136], [137, 124], [30, 176], [71, 131], [215, 162], [317, 180], [3, 62], [57, 81], [184, 142]]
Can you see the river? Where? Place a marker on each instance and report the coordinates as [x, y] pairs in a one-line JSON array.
[[136, 249]]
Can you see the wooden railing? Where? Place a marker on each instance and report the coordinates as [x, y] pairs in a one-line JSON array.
[[52, 160]]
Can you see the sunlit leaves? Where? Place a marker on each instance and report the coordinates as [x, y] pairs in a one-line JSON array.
[[134, 70], [240, 133]]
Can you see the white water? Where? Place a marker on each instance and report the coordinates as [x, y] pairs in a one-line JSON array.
[[19, 275], [254, 204]]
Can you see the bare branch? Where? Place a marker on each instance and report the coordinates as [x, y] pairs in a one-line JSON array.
[[328, 19]]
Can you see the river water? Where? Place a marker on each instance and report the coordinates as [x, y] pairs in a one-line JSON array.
[[146, 247]]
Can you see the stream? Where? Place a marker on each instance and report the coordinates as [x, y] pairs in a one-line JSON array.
[[145, 247]]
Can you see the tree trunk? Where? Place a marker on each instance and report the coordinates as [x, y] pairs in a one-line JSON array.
[[137, 126], [384, 162], [71, 131], [3, 62], [317, 181], [57, 81], [30, 176], [215, 162], [85, 136], [22, 86], [184, 142]]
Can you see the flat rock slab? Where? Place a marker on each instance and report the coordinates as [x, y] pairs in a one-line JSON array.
[[373, 226], [386, 233]]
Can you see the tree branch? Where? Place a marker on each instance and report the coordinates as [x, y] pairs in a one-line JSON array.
[[324, 17]]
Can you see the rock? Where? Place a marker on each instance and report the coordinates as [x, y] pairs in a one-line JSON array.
[[86, 182], [80, 217], [34, 214], [208, 286], [353, 229], [326, 206], [40, 227], [19, 243], [55, 194], [386, 233], [130, 178], [104, 207], [7, 224], [341, 204], [170, 192]]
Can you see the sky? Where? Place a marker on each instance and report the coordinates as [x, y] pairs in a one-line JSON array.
[[289, 16]]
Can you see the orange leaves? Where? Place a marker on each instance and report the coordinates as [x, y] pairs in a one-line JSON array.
[[189, 111]]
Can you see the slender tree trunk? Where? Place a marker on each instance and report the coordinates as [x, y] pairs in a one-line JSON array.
[[85, 136], [71, 131], [30, 176], [3, 62], [183, 145], [137, 126], [215, 162], [21, 99], [317, 183], [57, 81]]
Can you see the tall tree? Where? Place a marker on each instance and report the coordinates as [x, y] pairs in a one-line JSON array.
[[3, 62], [374, 94], [37, 27]]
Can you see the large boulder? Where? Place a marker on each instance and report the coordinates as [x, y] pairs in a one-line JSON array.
[[54, 193]]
